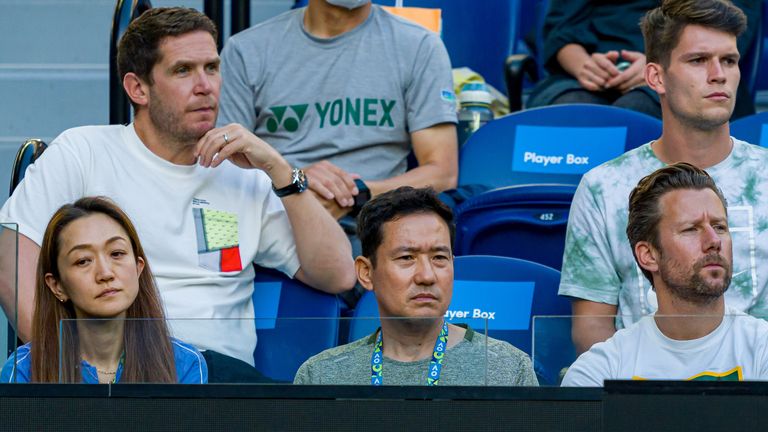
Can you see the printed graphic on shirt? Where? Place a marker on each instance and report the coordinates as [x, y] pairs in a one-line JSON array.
[[735, 374], [218, 248], [366, 112]]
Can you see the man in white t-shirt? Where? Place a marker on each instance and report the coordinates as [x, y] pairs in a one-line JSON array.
[[207, 202], [678, 230]]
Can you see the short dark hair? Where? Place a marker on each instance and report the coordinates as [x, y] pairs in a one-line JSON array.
[[138, 50], [644, 212], [393, 205], [662, 26]]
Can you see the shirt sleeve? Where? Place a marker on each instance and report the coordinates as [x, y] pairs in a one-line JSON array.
[[591, 369], [429, 96], [527, 376], [567, 21], [303, 375], [18, 366], [589, 269], [56, 178], [277, 247], [237, 101], [190, 364]]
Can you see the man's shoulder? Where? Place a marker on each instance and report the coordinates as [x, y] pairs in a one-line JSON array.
[[341, 353], [91, 133], [500, 347], [614, 179], [636, 159], [403, 26], [267, 28], [746, 149]]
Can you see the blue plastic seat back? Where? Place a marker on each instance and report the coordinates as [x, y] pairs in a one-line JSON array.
[[553, 144], [752, 129], [524, 221], [504, 293], [293, 322]]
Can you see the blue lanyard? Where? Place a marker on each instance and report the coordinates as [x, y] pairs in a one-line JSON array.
[[435, 365]]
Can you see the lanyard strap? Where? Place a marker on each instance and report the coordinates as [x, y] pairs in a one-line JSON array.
[[435, 365]]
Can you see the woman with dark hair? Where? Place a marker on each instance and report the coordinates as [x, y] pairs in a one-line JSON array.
[[93, 274]]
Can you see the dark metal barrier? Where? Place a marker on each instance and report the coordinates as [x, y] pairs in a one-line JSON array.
[[125, 12], [281, 408]]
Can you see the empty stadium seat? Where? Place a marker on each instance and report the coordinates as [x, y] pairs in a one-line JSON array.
[[503, 292], [553, 144], [293, 323], [524, 221]]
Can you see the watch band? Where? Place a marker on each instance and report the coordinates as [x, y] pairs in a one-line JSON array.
[[299, 184], [362, 197]]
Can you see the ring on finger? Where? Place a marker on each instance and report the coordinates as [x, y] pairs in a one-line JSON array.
[[226, 138]]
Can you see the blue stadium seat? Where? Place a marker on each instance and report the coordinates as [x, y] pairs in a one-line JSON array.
[[513, 290], [524, 221], [293, 323], [28, 153], [752, 129], [553, 144]]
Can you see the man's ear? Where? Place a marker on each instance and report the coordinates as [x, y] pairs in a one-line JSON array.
[[55, 287], [654, 77], [364, 271], [648, 257], [136, 89]]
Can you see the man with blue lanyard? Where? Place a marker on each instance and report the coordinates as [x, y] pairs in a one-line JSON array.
[[407, 260]]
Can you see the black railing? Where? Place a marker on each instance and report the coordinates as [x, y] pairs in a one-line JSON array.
[[125, 12], [241, 15], [215, 11]]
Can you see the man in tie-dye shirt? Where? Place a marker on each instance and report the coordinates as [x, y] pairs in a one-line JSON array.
[[693, 66]]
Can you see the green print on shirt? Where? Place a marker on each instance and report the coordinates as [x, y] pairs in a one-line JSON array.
[[356, 112], [291, 124]]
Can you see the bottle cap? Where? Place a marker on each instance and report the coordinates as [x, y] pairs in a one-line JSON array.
[[475, 93]]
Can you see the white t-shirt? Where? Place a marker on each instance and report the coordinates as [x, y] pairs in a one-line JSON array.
[[737, 350], [201, 228]]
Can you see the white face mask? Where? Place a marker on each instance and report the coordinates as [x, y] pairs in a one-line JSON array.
[[349, 4]]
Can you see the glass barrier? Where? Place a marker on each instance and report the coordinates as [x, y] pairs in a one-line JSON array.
[[683, 347], [9, 245], [289, 350]]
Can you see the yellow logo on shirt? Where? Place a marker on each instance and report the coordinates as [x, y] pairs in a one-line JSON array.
[[735, 374]]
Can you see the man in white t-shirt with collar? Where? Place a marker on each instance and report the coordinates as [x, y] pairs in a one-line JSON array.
[[678, 230], [207, 202]]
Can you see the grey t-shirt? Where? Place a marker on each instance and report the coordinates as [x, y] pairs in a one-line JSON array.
[[352, 99], [476, 360]]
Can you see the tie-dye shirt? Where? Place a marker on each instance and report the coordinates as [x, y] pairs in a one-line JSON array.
[[598, 264]]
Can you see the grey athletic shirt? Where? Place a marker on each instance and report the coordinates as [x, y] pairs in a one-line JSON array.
[[468, 363], [352, 99]]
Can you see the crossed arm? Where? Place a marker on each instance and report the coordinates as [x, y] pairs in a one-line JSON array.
[[436, 151]]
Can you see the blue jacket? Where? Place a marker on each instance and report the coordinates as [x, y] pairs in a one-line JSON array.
[[190, 366]]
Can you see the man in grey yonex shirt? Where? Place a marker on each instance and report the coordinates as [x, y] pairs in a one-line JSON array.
[[407, 238], [346, 90]]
